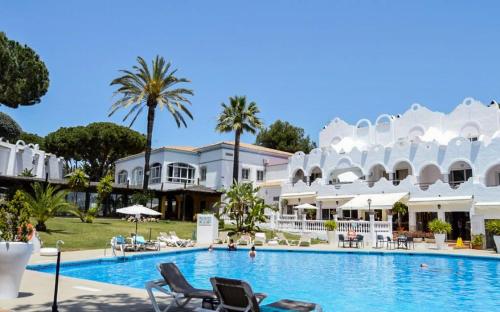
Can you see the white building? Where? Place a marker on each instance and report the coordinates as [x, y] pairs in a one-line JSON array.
[[210, 167], [441, 165], [21, 157]]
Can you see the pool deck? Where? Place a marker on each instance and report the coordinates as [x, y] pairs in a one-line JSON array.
[[82, 295]]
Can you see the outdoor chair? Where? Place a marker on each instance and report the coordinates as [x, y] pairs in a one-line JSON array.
[[282, 238], [245, 240], [305, 240], [380, 241], [222, 239], [359, 240], [343, 241], [391, 242], [182, 242], [178, 287], [238, 296], [260, 239]]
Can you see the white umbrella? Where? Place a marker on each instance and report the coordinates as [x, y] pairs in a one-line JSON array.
[[306, 206], [137, 211]]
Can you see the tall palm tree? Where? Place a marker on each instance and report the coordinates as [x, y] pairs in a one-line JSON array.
[[238, 117], [151, 88]]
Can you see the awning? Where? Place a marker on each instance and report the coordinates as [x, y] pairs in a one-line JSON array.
[[334, 197], [347, 177], [487, 204], [488, 209], [378, 201], [438, 199], [299, 195], [305, 206]]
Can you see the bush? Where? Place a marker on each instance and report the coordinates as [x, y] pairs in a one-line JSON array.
[[331, 225], [493, 226], [437, 226], [478, 240], [15, 218]]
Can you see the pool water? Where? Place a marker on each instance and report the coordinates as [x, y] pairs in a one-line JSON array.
[[338, 281]]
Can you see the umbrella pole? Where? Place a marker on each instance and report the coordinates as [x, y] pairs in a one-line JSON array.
[[135, 237]]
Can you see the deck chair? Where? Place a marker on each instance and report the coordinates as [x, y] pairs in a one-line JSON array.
[[222, 239], [343, 241], [381, 240], [305, 240], [181, 291], [245, 240], [238, 296], [281, 238], [260, 239], [182, 242]]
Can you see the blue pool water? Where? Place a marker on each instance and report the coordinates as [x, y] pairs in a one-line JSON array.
[[338, 281]]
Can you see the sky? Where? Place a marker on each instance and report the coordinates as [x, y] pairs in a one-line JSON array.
[[305, 62]]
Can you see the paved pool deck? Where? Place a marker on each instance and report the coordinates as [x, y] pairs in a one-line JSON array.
[[82, 295]]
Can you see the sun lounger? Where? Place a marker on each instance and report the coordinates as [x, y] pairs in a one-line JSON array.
[[183, 242], [245, 240], [171, 241], [305, 240], [178, 287], [222, 239], [237, 295], [260, 239], [281, 238]]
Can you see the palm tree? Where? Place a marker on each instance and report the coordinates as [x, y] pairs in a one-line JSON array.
[[238, 117], [45, 203], [144, 88]]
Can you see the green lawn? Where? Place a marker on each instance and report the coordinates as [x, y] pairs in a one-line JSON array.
[[77, 235]]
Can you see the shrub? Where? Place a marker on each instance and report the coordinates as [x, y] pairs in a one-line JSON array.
[[478, 240], [15, 218], [437, 226], [331, 225], [493, 226]]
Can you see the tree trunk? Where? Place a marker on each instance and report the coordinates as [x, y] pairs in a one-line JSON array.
[[399, 221], [236, 158], [41, 227], [147, 154]]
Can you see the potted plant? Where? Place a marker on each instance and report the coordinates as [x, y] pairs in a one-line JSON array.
[[493, 226], [440, 228], [15, 251], [331, 231], [477, 241]]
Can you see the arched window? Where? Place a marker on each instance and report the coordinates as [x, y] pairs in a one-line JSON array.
[[155, 173], [459, 172], [299, 176], [180, 173], [122, 177], [137, 176], [315, 174]]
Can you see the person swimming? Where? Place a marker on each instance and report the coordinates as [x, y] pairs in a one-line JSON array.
[[424, 265], [252, 253], [211, 247], [231, 246]]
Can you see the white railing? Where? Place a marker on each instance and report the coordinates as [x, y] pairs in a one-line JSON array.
[[288, 217], [342, 226]]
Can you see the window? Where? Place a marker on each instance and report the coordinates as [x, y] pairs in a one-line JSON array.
[[180, 173], [276, 198], [245, 173], [203, 173], [155, 176], [473, 139], [260, 175], [137, 176], [122, 177]]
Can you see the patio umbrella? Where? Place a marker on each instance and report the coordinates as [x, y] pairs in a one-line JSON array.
[[137, 211], [306, 206]]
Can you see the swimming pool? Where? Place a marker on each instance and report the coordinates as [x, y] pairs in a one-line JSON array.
[[337, 281]]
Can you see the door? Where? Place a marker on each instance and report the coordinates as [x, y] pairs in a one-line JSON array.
[[460, 224]]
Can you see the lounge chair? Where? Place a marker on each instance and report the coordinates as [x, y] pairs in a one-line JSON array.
[[222, 239], [237, 295], [305, 240], [343, 241], [245, 240], [281, 238], [183, 242], [170, 241], [260, 239], [179, 288]]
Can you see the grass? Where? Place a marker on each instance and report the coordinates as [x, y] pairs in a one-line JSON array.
[[79, 236]]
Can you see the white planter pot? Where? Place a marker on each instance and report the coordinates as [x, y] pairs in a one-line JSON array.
[[440, 238], [496, 238], [332, 237], [14, 257]]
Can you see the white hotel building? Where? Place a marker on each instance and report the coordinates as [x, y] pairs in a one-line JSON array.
[[444, 166]]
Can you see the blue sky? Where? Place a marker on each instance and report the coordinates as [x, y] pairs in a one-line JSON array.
[[301, 61]]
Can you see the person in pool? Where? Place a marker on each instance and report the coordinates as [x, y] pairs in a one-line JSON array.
[[211, 247], [252, 253], [231, 246]]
